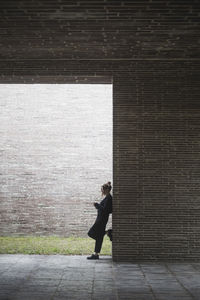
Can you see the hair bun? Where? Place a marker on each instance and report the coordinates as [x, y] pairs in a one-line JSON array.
[[109, 183]]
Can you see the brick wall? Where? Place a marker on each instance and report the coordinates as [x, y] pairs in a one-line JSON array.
[[56, 152], [150, 51]]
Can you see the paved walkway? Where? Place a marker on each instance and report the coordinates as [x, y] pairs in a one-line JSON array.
[[52, 277]]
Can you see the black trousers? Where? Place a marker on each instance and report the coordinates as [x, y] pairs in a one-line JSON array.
[[98, 244]]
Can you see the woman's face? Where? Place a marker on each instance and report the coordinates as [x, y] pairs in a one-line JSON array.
[[104, 192]]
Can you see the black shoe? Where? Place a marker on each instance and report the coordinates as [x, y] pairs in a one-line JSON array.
[[109, 234], [93, 256]]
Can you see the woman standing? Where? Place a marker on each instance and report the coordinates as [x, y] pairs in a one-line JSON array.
[[97, 231]]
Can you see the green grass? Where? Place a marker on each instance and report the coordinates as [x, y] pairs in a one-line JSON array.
[[51, 245]]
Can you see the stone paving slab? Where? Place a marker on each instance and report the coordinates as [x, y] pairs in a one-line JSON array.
[[59, 277]]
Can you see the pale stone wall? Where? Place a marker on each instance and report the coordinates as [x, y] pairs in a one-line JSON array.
[[56, 152]]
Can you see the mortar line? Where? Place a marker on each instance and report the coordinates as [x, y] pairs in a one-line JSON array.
[[52, 297], [102, 59], [182, 285], [149, 285], [114, 281], [92, 294]]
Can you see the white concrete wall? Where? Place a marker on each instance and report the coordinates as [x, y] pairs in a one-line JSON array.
[[55, 153]]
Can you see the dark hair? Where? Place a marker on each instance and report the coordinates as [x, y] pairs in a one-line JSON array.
[[107, 186]]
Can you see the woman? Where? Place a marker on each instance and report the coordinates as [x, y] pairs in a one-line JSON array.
[[97, 231]]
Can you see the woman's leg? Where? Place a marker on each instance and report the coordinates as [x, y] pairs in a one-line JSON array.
[[98, 244]]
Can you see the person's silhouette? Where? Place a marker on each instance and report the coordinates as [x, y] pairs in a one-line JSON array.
[[104, 208]]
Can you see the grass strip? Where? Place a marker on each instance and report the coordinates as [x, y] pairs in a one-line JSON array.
[[51, 245]]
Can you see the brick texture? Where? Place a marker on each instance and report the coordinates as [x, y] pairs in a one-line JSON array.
[[149, 50], [52, 168]]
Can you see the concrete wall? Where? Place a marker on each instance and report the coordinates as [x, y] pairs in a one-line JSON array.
[[150, 51], [56, 152]]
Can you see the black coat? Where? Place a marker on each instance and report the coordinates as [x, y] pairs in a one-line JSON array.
[[104, 209]]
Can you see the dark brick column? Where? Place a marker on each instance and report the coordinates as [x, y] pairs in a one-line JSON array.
[[151, 50]]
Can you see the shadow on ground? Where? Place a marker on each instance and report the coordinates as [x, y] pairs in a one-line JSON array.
[[52, 277]]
